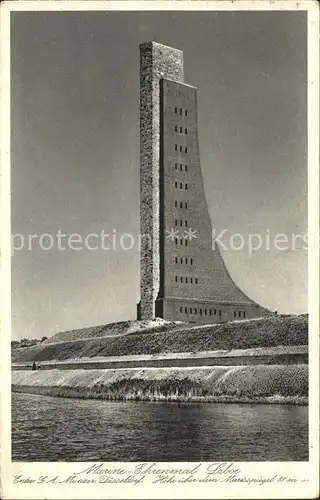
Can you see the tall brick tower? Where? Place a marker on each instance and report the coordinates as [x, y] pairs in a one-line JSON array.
[[183, 276]]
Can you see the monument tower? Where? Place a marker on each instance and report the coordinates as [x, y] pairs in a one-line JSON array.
[[183, 276]]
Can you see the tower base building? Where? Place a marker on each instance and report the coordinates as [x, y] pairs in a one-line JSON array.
[[183, 276]]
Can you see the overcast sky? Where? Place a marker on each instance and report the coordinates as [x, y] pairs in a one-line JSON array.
[[75, 153]]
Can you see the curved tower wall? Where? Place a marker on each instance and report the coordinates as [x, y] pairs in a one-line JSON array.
[[183, 277]]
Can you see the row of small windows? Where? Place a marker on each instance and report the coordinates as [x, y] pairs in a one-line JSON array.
[[180, 148], [181, 204], [207, 312], [181, 185], [186, 261], [177, 223], [181, 242], [181, 111], [181, 167], [241, 314], [186, 279], [180, 130]]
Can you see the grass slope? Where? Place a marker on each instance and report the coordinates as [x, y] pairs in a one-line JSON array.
[[114, 329], [258, 383], [264, 332]]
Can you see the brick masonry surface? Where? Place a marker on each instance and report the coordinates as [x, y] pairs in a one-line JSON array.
[[156, 62], [182, 278]]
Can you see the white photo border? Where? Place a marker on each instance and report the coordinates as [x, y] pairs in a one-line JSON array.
[[307, 474]]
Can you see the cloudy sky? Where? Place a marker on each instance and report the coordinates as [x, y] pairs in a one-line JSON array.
[[75, 153]]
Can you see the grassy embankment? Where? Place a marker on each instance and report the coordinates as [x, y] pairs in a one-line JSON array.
[[247, 384], [173, 338]]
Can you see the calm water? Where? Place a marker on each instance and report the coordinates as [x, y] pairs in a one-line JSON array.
[[58, 429]]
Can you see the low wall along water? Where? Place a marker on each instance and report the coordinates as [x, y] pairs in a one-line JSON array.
[[259, 383]]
